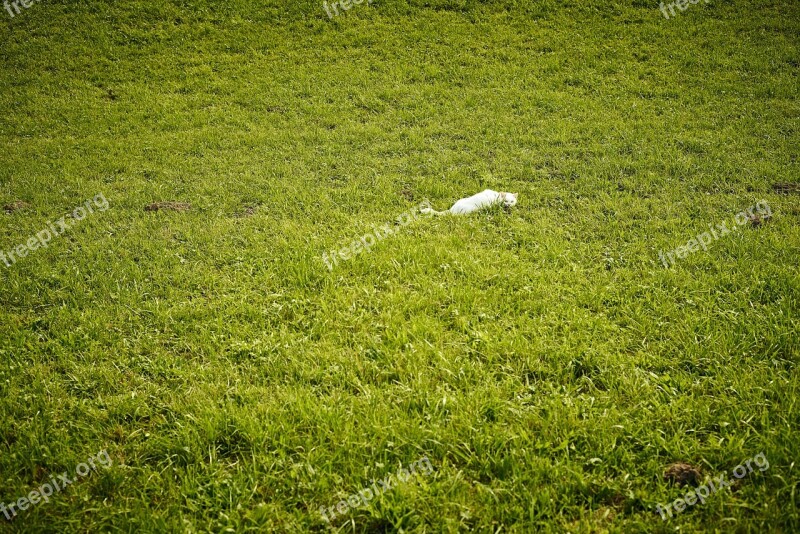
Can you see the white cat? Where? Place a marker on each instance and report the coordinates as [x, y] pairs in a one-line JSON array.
[[477, 202]]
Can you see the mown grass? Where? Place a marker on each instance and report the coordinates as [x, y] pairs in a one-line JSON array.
[[544, 360]]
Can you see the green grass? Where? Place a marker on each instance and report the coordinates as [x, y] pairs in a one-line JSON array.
[[543, 359]]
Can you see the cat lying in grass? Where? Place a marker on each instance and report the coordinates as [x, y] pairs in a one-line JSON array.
[[477, 202]]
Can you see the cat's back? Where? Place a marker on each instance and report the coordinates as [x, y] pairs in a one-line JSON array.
[[475, 202], [487, 195]]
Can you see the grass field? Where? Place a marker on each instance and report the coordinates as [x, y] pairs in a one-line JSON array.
[[543, 359]]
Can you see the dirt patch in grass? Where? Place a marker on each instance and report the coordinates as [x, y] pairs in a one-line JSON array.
[[682, 474], [248, 211], [757, 220], [168, 206], [15, 206], [785, 188]]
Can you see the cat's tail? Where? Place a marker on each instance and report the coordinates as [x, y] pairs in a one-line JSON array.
[[431, 211]]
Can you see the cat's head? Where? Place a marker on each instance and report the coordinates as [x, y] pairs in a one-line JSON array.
[[509, 199]]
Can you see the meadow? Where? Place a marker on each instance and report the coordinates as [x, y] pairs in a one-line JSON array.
[[554, 371]]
